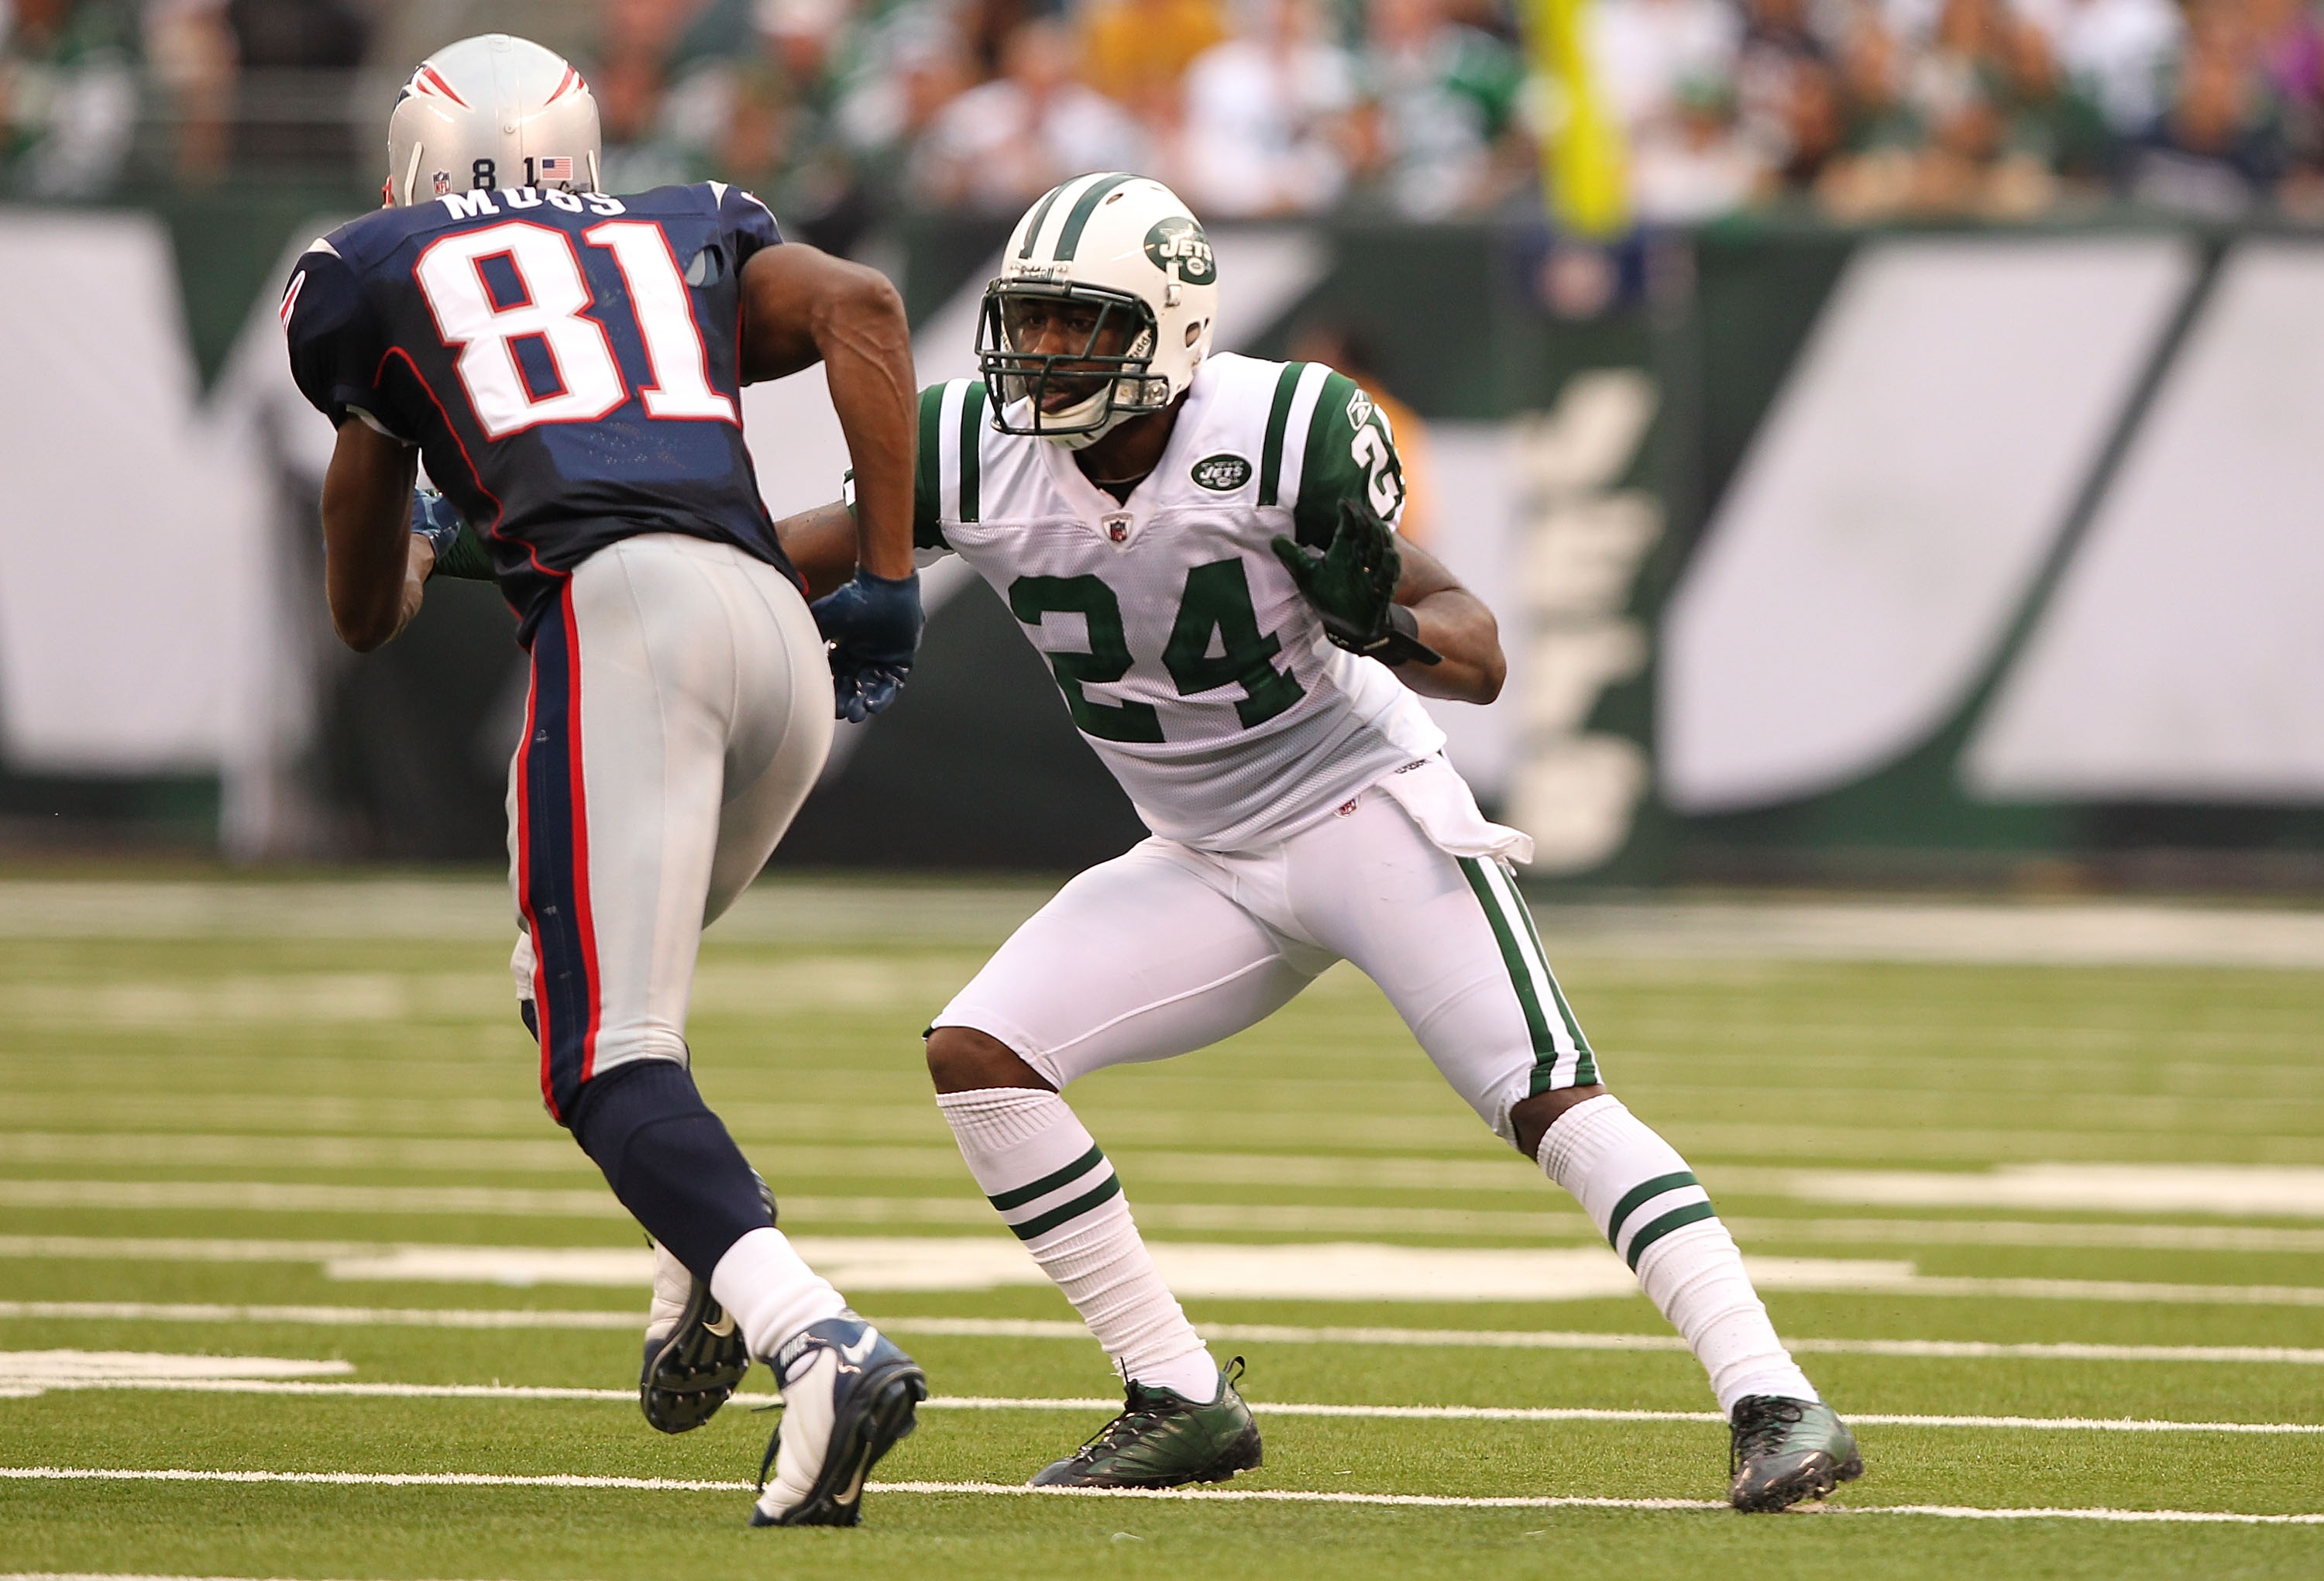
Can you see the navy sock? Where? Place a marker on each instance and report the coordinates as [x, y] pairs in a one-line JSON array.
[[670, 1161]]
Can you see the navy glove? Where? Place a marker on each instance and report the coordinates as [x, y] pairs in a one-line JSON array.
[[1352, 588], [873, 626]]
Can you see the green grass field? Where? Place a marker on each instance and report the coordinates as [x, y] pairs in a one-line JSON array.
[[213, 1116]]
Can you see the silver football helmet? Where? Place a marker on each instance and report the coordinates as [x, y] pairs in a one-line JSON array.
[[490, 112]]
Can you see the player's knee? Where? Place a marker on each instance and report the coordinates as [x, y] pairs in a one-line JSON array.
[[962, 1059], [1530, 1118]]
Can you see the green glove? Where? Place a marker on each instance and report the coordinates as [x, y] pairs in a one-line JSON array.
[[1352, 587]]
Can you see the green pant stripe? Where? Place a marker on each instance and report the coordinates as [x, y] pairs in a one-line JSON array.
[[1545, 1046], [1278, 418], [1639, 1195], [1676, 1218], [1051, 1181], [1073, 1209], [972, 425], [1585, 1066]]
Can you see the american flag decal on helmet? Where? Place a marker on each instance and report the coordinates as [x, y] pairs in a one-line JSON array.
[[557, 167]]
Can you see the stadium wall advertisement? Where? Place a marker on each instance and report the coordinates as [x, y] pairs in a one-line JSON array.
[[1955, 554]]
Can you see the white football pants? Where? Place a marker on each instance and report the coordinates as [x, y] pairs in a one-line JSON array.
[[679, 712], [1168, 949]]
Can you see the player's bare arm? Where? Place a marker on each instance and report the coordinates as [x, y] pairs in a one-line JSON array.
[[801, 307], [369, 568], [1457, 625], [821, 546]]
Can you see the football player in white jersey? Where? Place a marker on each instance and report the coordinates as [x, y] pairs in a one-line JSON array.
[[1201, 546]]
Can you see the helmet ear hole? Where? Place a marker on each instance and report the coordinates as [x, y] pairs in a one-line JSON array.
[[1194, 330]]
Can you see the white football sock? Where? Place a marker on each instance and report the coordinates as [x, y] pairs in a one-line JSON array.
[[769, 1290], [1643, 1198], [1053, 1185]]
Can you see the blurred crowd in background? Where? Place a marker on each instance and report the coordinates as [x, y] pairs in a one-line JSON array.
[[843, 111]]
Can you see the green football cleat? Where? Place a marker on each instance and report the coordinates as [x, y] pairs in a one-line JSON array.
[[1162, 1439], [1785, 1450]]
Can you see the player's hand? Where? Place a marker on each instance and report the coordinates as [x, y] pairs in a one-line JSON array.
[[436, 523], [1352, 587], [873, 626]]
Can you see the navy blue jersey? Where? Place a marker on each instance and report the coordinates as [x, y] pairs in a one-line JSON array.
[[569, 365]]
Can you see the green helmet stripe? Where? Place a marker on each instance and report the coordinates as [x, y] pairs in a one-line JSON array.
[[1071, 236], [1040, 215]]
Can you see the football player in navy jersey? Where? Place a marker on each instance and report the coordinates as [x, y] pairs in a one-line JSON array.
[[568, 364]]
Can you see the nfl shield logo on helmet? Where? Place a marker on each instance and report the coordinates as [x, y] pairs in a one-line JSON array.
[[441, 181]]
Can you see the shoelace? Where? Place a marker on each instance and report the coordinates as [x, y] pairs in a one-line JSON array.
[[1760, 1426]]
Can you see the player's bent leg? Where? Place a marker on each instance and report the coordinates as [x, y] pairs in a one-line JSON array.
[[658, 681], [1451, 942], [1052, 1004]]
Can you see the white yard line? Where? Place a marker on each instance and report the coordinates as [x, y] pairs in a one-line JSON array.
[[1229, 1333], [1172, 1495], [511, 1392]]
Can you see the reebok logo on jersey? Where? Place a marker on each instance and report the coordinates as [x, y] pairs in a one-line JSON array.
[[1359, 409], [1222, 473]]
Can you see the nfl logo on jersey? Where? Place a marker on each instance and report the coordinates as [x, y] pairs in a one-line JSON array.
[[1117, 528]]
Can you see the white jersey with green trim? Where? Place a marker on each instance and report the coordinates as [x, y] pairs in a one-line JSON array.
[[1187, 658]]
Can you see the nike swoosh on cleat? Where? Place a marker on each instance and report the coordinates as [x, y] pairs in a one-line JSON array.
[[862, 1348]]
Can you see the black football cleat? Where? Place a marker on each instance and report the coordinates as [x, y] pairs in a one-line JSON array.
[[1162, 1439], [1785, 1450]]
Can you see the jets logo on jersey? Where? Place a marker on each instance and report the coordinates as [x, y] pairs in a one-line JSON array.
[[1178, 248], [1222, 473]]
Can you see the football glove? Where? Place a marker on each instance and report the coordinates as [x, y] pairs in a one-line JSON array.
[[1352, 587], [873, 626], [459, 552]]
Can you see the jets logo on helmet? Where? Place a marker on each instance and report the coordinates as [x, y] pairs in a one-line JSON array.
[[1102, 312], [1178, 247], [488, 109]]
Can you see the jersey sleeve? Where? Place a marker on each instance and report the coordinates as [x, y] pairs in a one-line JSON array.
[[336, 343], [747, 223], [1350, 454], [927, 476]]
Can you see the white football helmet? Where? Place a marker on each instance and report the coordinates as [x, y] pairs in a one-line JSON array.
[[490, 111], [1127, 247]]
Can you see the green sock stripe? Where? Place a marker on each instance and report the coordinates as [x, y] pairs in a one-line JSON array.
[[1070, 237], [1073, 1209], [1278, 418], [1049, 1182], [1676, 1218], [1639, 1195], [972, 425], [1544, 1046], [1585, 1065]]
